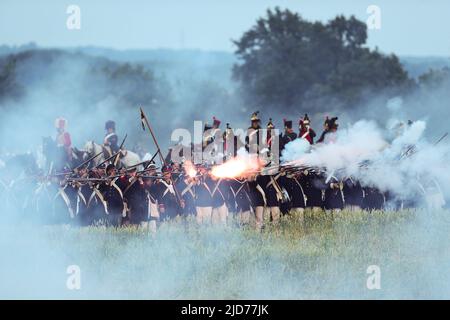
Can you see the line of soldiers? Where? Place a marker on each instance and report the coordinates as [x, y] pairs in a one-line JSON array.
[[129, 196], [253, 135]]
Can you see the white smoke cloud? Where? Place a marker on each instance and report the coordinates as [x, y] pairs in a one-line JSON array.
[[405, 167]]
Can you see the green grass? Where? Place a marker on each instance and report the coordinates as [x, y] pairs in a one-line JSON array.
[[327, 257]]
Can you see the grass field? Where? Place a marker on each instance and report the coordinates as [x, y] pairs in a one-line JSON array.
[[326, 258]]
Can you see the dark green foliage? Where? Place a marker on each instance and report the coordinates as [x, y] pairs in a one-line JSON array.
[[435, 78], [288, 62], [9, 88], [89, 80]]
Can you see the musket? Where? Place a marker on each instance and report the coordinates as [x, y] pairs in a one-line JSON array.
[[410, 151], [106, 160], [87, 161], [120, 150], [86, 179], [149, 162], [442, 138]]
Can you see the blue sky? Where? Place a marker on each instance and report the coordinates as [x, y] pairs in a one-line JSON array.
[[408, 27]]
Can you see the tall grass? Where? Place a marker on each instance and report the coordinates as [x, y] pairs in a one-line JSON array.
[[326, 257]]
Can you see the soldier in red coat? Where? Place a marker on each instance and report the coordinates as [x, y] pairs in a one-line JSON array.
[[306, 132], [63, 139]]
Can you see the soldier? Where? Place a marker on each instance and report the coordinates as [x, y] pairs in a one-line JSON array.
[[374, 199], [111, 139], [273, 194], [167, 197], [151, 186], [306, 132], [210, 132], [220, 193], [270, 136], [313, 185], [288, 136], [63, 139], [186, 185], [291, 182], [334, 199], [353, 194], [135, 194], [258, 200], [252, 142], [329, 130], [203, 197], [82, 197], [112, 191], [63, 200], [212, 142], [230, 143], [242, 203]]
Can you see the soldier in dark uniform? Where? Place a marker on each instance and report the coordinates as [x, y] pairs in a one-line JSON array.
[[329, 130], [270, 137], [373, 199], [112, 191], [353, 194], [273, 194], [111, 139], [288, 136], [230, 143], [334, 200], [167, 197], [96, 205], [83, 192], [64, 201], [210, 136], [219, 194], [313, 184], [186, 185], [291, 182], [204, 201], [241, 200], [152, 188], [241, 193], [135, 194], [252, 143], [230, 200]]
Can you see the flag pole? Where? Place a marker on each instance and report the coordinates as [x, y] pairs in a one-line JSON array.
[[145, 120], [163, 161]]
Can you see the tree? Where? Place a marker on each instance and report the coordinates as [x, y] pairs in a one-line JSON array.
[[287, 62], [9, 88], [435, 78]]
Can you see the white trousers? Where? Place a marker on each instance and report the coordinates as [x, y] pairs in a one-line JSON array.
[[219, 215], [203, 214], [259, 216], [243, 217], [275, 213]]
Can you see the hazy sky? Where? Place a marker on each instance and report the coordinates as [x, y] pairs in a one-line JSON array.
[[408, 27]]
